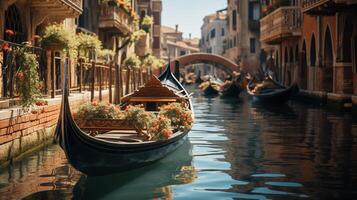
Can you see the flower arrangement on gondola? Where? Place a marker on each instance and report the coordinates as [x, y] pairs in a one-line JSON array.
[[139, 118], [179, 115], [160, 128], [95, 110]]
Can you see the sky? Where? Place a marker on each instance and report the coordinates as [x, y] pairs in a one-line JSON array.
[[188, 14]]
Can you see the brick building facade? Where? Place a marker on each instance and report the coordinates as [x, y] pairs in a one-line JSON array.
[[313, 43]]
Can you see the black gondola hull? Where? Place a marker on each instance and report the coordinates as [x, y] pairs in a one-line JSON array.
[[95, 161], [96, 157], [210, 91], [275, 96]]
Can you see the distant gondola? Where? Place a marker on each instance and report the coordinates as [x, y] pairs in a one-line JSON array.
[[95, 156], [211, 87], [279, 94]]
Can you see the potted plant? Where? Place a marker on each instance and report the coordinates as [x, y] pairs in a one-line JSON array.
[[132, 61], [147, 23], [87, 42], [57, 37]]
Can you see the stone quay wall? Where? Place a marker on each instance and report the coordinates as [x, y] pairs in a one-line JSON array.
[[21, 133]]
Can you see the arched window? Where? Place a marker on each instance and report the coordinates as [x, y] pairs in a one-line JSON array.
[[328, 53], [312, 51], [13, 22], [347, 41]]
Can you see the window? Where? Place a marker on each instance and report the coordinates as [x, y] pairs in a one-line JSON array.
[[213, 33], [253, 11], [156, 43], [252, 45], [235, 41], [234, 20], [223, 32], [312, 51]]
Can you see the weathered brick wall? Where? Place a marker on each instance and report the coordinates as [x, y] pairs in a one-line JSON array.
[[14, 128], [22, 133]]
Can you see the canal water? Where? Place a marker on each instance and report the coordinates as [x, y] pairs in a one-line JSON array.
[[237, 149]]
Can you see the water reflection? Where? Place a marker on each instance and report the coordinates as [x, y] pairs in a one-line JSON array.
[[235, 151], [149, 182]]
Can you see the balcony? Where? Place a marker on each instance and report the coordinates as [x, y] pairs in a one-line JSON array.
[[284, 22], [58, 9], [327, 7], [115, 19]]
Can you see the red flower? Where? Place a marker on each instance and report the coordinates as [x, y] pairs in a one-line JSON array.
[[5, 46], [21, 75], [9, 32], [94, 103]]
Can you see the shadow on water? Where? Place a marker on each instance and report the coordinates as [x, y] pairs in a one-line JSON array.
[[153, 181]]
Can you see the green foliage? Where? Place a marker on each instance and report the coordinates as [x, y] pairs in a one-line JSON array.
[[27, 77], [135, 36], [138, 117], [105, 53], [86, 43], [152, 62], [57, 34], [146, 23], [132, 61]]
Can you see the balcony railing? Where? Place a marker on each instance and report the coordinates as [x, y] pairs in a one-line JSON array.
[[58, 8], [325, 6], [115, 19], [284, 22]]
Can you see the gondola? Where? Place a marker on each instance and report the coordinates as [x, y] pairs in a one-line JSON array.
[[96, 157], [279, 94], [211, 87]]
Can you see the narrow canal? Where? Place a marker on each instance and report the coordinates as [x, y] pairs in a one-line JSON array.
[[236, 150]]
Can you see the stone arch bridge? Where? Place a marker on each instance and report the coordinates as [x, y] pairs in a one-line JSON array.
[[205, 58]]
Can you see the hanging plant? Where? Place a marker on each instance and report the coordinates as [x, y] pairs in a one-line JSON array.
[[27, 77], [105, 54], [87, 43], [57, 37], [149, 61], [147, 23], [132, 61], [136, 35]]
